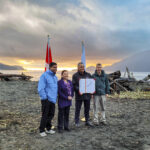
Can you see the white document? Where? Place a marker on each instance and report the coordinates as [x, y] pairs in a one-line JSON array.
[[87, 86]]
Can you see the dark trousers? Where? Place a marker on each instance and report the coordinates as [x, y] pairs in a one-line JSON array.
[[48, 111], [78, 104], [63, 118]]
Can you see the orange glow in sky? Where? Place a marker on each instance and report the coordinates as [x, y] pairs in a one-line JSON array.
[[63, 65], [24, 62]]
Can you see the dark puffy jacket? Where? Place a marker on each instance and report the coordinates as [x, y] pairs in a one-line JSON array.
[[101, 83], [75, 81]]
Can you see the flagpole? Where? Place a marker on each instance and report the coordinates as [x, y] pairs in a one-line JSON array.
[[48, 59], [48, 46], [82, 42], [83, 59]]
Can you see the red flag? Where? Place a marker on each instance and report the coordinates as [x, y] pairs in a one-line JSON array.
[[48, 59]]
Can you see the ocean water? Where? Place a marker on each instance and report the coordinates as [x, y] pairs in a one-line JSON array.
[[36, 74]]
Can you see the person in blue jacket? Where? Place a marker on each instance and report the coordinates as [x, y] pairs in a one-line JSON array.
[[65, 95], [48, 89]]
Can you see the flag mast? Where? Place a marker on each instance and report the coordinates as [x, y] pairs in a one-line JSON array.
[[83, 59], [48, 59], [48, 46]]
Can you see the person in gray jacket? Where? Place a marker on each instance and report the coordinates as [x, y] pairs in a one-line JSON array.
[[102, 90]]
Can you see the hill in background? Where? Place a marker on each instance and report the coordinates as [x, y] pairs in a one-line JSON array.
[[139, 62], [8, 67]]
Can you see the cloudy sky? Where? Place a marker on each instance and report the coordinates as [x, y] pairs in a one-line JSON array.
[[111, 30]]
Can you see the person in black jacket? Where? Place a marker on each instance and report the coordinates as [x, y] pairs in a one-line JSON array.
[[102, 90], [80, 98]]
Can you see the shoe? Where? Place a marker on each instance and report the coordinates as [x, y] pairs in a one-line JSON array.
[[60, 131], [104, 122], [43, 134], [77, 125], [50, 131], [67, 129], [96, 123], [89, 124]]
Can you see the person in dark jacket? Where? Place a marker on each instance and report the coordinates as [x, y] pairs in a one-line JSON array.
[[79, 99], [65, 95], [102, 90]]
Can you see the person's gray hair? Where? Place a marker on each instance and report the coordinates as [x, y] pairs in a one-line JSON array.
[[80, 63]]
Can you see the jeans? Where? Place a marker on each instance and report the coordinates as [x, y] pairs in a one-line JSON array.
[[78, 104]]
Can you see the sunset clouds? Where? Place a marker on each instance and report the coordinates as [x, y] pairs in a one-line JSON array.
[[111, 30]]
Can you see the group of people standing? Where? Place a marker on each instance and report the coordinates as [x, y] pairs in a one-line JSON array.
[[51, 90]]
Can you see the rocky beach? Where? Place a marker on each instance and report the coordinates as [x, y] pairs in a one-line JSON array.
[[128, 123]]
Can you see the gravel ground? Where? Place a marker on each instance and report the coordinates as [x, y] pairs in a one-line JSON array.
[[128, 123]]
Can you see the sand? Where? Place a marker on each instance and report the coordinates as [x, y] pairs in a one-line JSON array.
[[128, 123]]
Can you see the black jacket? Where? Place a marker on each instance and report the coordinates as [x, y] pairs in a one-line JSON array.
[[75, 81]]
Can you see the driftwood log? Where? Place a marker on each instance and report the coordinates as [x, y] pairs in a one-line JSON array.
[[10, 77], [146, 78], [114, 75], [118, 83]]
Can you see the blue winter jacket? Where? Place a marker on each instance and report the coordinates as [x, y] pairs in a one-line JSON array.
[[47, 86]]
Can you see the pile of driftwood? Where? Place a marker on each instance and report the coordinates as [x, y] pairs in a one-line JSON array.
[[118, 83], [11, 77]]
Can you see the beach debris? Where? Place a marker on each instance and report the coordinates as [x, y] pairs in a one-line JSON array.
[[129, 83], [11, 77], [146, 78]]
